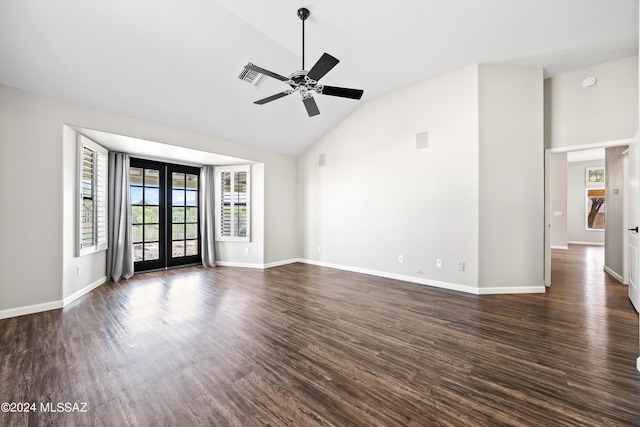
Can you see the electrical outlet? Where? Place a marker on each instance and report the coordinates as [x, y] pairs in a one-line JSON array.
[[438, 263], [400, 258], [461, 266], [318, 249], [247, 250], [78, 270]]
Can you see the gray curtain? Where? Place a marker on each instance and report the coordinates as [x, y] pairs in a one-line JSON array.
[[207, 217], [120, 251]]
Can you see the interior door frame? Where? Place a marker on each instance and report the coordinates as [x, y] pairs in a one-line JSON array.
[[547, 198]]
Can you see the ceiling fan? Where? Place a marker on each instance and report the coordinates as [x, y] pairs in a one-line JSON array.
[[306, 82]]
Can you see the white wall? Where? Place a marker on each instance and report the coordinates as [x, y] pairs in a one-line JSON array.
[[92, 266], [31, 196], [281, 212], [248, 254], [511, 187], [378, 196], [605, 112], [558, 189], [37, 169], [576, 205]]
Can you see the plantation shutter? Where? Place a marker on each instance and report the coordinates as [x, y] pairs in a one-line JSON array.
[[93, 172], [225, 204], [232, 213]]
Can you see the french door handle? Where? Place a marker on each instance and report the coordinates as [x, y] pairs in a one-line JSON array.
[[633, 229]]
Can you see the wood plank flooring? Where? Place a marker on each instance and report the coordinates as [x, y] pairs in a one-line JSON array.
[[310, 346]]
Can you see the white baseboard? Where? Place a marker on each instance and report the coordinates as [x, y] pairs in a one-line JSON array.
[[280, 263], [586, 243], [496, 290], [613, 274], [71, 298], [53, 305], [427, 282], [239, 264], [566, 248], [30, 309], [258, 266]]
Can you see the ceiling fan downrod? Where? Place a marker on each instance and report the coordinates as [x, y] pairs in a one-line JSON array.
[[303, 14]]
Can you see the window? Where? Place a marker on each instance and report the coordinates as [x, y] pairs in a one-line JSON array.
[[233, 203], [596, 206], [596, 209], [92, 185]]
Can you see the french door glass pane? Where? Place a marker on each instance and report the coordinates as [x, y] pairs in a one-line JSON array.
[[192, 215], [191, 231], [151, 196], [191, 198], [177, 180], [152, 178], [136, 195], [151, 233], [137, 252], [177, 249], [177, 215], [151, 214], [192, 182], [136, 215], [137, 233], [151, 251], [177, 232], [177, 197], [135, 176], [192, 247]]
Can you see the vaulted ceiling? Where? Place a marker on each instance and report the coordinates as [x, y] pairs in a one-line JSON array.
[[176, 62]]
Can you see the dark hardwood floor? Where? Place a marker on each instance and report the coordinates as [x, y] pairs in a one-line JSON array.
[[310, 346]]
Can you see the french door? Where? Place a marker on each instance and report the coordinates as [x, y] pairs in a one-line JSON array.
[[165, 224]]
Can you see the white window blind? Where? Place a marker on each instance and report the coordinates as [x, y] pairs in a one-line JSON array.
[[92, 184], [233, 203]]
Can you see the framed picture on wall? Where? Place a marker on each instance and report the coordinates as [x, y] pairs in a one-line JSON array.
[[594, 175]]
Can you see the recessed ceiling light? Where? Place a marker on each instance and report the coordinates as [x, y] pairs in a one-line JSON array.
[[588, 82]]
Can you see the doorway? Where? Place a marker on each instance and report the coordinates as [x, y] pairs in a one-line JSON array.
[[578, 173], [165, 220]]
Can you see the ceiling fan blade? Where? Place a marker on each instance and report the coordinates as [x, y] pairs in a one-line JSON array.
[[322, 67], [342, 92], [266, 72], [272, 98], [311, 106]]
